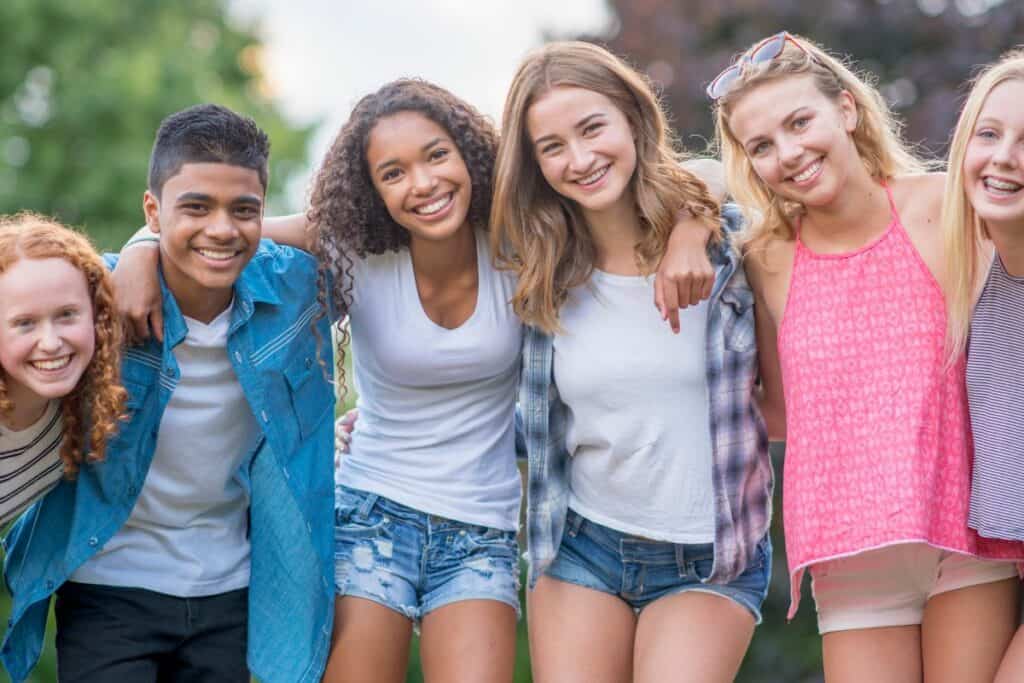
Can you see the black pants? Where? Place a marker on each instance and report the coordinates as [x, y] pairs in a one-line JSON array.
[[108, 634]]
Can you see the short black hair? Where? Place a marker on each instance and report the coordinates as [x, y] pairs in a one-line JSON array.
[[207, 133]]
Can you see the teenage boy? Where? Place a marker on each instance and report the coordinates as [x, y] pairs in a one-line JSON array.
[[202, 548]]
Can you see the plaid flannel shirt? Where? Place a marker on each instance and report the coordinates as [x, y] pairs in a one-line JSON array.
[[741, 471]]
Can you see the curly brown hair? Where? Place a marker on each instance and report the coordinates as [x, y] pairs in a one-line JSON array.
[[346, 213], [90, 412]]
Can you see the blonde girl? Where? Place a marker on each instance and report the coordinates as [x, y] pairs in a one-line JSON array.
[[983, 226], [649, 478], [60, 394], [845, 262]]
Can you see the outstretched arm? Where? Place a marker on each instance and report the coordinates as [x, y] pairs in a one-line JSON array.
[[137, 286], [291, 230]]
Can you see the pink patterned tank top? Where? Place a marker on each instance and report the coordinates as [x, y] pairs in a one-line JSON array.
[[878, 447]]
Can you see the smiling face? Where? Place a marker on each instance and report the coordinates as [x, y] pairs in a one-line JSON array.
[[797, 139], [584, 146], [994, 160], [209, 217], [420, 175], [47, 335]]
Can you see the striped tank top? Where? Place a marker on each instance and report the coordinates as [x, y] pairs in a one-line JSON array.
[[995, 390], [30, 463], [878, 448]]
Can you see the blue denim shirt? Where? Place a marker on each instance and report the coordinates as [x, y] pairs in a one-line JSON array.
[[291, 481], [741, 469]]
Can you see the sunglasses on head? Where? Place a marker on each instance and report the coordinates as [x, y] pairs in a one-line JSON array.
[[765, 51]]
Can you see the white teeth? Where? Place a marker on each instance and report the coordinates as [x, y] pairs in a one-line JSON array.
[[434, 207], [808, 172], [217, 254], [1001, 185], [593, 177], [55, 364]]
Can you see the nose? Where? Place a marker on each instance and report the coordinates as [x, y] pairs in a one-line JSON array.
[[1003, 155], [580, 157], [49, 338], [423, 181], [221, 226], [790, 150]]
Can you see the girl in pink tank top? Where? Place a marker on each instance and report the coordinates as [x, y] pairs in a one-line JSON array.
[[851, 325]]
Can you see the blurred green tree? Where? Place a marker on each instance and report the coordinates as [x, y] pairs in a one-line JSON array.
[[84, 85]]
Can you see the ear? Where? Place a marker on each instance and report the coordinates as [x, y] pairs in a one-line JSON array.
[[151, 209], [848, 111]]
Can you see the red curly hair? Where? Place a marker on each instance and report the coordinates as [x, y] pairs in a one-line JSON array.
[[90, 412]]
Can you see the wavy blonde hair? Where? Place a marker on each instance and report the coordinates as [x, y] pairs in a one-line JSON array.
[[92, 411], [542, 236], [963, 231], [876, 137]]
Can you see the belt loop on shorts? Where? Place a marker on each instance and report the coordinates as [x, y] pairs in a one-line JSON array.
[[365, 507], [575, 523], [680, 549]]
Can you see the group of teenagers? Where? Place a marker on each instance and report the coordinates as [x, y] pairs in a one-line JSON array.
[[566, 291]]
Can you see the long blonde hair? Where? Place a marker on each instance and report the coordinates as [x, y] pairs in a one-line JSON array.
[[541, 235], [963, 231], [876, 137]]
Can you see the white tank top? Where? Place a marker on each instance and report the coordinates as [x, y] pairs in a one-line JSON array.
[[637, 397], [436, 405]]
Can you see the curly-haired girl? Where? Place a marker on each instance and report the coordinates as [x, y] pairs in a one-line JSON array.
[[649, 478], [428, 497], [846, 265], [60, 395]]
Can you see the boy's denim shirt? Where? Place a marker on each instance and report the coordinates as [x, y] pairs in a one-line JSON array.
[[741, 469], [291, 479]]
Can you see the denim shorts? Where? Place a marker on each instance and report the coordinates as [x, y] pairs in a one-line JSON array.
[[640, 570], [413, 562]]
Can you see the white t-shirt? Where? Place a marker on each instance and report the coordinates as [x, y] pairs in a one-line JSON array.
[[187, 535], [30, 463], [436, 406], [637, 397]]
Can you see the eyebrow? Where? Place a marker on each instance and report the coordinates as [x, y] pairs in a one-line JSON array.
[[424, 148], [202, 197], [789, 117], [582, 123]]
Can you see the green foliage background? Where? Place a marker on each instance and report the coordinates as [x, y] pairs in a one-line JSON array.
[[84, 85]]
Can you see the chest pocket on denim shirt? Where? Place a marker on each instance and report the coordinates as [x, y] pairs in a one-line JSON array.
[[133, 437], [738, 319], [309, 392]]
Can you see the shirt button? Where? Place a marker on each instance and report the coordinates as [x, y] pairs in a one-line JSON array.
[[49, 585], [309, 363], [169, 372], [93, 541], [238, 356], [263, 414], [131, 490]]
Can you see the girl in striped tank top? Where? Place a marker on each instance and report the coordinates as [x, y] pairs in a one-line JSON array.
[[851, 325], [60, 339], [983, 222]]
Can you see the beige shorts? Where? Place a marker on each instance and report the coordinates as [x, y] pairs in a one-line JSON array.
[[890, 586]]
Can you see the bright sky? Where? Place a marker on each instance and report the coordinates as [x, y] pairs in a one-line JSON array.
[[323, 55]]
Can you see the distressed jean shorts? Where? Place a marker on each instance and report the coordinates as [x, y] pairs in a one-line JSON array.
[[413, 562], [640, 570]]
